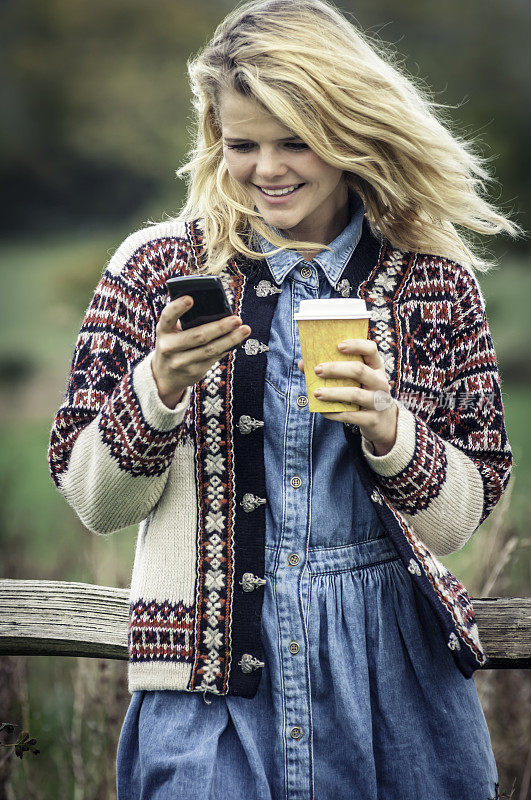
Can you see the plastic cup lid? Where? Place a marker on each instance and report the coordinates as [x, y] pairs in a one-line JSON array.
[[333, 308]]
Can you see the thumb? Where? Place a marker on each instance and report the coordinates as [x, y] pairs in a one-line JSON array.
[[172, 311], [300, 365]]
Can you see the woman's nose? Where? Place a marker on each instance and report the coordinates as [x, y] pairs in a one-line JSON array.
[[269, 165]]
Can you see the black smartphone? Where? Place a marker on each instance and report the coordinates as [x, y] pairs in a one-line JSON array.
[[210, 301]]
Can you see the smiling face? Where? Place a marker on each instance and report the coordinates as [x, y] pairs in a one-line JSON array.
[[261, 154]]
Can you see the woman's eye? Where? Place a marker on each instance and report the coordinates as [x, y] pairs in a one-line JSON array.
[[246, 146], [242, 147]]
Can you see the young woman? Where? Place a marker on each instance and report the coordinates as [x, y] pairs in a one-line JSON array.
[[292, 631]]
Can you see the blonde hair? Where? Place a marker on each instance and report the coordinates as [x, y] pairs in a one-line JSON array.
[[347, 97]]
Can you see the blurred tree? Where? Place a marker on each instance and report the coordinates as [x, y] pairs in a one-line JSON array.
[[97, 104], [475, 55]]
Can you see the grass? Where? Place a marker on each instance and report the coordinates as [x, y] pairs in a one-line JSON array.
[[40, 535], [35, 321]]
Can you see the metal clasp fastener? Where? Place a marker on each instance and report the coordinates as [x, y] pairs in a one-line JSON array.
[[247, 424], [344, 288], [251, 501], [252, 347], [250, 582], [265, 288], [376, 497], [248, 662], [453, 642], [413, 567]]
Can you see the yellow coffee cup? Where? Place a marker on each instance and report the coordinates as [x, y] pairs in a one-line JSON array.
[[323, 323]]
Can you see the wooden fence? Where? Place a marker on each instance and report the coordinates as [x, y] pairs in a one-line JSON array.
[[79, 619]]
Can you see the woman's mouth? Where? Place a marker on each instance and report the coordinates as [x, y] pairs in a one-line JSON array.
[[276, 196]]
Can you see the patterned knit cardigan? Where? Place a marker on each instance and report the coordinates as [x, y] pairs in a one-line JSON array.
[[194, 477]]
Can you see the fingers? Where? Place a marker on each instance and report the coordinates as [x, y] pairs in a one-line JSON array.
[[371, 377], [176, 365], [300, 365], [348, 394], [363, 347], [203, 335], [214, 349], [176, 339]]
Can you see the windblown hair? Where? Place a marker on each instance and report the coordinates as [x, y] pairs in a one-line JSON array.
[[350, 100]]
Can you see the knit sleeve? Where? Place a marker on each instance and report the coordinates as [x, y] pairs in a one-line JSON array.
[[446, 472], [113, 440]]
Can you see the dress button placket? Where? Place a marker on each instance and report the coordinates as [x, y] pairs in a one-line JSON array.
[[291, 570]]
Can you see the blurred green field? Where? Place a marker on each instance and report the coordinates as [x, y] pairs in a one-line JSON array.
[[45, 287], [41, 536], [47, 283]]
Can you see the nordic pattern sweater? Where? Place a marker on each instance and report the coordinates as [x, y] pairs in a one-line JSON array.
[[194, 477]]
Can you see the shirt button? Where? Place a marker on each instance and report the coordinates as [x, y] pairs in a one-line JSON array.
[[302, 401], [306, 272], [293, 559], [296, 732], [296, 482], [294, 648]]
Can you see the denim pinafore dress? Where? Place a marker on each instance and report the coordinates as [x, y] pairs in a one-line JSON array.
[[359, 695]]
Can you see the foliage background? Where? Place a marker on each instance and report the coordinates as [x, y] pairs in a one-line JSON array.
[[96, 118]]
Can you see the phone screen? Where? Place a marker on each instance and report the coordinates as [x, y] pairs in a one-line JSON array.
[[210, 300]]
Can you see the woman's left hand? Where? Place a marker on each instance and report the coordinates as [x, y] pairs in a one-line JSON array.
[[378, 414]]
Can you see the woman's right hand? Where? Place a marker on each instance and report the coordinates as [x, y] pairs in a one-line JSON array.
[[184, 357]]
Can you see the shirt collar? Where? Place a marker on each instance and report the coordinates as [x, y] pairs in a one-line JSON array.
[[332, 263]]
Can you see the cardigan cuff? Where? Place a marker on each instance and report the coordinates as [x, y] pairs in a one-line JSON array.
[[156, 414], [401, 453]]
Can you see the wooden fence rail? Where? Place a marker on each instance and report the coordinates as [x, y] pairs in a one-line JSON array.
[[79, 619]]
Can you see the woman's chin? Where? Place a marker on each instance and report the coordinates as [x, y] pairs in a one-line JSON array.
[[280, 218]]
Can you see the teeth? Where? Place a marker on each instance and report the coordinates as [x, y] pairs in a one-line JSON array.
[[275, 192]]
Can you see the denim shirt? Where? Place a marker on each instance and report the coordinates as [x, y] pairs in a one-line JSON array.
[[329, 503]]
